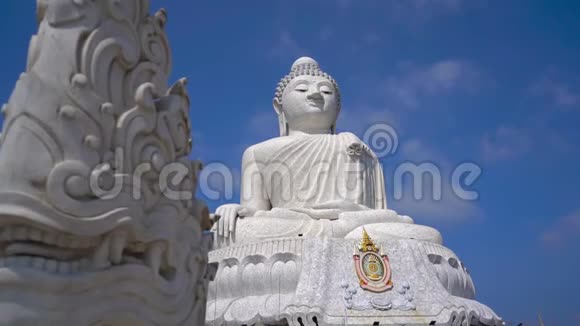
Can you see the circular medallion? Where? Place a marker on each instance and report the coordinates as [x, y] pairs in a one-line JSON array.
[[373, 267]]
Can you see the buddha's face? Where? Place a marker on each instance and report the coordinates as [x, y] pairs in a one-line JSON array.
[[310, 103]]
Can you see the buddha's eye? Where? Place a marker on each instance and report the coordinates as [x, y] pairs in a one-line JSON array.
[[301, 88], [325, 90]]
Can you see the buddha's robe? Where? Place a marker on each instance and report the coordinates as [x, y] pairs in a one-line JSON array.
[[306, 171], [317, 185]]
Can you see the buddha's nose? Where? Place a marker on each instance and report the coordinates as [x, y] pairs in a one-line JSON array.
[[314, 95]]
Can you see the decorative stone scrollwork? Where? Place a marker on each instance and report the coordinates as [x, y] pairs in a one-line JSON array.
[[361, 302], [96, 187]]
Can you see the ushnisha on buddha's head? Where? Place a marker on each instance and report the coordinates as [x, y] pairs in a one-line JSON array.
[[307, 100]]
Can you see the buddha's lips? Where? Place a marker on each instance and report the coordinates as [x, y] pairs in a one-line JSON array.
[[55, 252], [316, 103]]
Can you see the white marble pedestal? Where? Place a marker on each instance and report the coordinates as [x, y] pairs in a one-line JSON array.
[[312, 281]]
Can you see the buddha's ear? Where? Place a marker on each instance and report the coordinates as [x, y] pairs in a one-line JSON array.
[[277, 104]]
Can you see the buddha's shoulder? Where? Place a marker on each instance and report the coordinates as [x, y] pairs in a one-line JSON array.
[[349, 136], [267, 147]]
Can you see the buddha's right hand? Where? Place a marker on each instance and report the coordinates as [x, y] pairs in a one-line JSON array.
[[226, 225]]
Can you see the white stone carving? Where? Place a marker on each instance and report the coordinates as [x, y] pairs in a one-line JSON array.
[[89, 233], [285, 252], [362, 302], [301, 281]]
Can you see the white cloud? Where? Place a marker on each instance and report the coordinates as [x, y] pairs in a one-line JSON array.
[[506, 143], [565, 230], [414, 12], [535, 135], [450, 208], [287, 47], [411, 10], [416, 84], [358, 118], [416, 150], [559, 93]]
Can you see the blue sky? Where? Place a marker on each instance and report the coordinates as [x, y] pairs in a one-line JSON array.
[[490, 82]]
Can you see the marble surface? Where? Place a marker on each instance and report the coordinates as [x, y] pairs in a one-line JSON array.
[[312, 281], [278, 223], [399, 230], [81, 242]]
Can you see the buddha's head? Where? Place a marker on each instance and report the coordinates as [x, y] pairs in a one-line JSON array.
[[307, 99]]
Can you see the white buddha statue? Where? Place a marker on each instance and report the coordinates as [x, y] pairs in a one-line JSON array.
[[290, 252], [311, 181]]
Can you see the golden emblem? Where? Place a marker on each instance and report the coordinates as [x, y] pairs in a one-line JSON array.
[[372, 265]]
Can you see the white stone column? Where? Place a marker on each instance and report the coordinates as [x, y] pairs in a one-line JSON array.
[[99, 224]]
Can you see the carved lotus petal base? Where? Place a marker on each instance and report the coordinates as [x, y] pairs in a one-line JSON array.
[[312, 281]]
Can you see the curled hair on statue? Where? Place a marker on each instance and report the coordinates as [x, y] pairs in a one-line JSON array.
[[304, 66]]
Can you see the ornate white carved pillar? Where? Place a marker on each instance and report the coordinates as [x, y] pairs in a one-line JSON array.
[[98, 224]]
